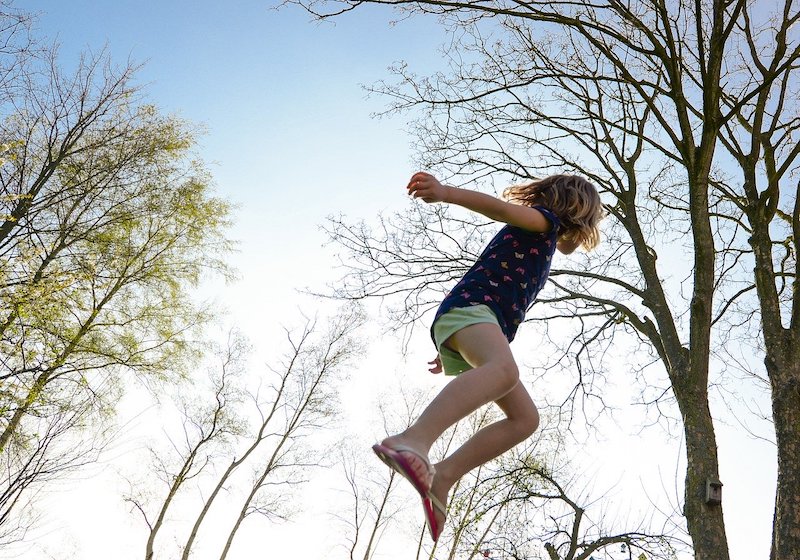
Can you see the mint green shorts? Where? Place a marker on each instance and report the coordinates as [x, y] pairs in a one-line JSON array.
[[452, 322]]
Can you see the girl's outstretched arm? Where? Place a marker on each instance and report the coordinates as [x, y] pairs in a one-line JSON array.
[[428, 188]]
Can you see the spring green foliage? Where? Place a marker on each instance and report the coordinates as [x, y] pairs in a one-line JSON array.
[[106, 224]]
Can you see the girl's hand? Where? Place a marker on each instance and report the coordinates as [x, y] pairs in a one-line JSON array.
[[427, 187], [437, 365]]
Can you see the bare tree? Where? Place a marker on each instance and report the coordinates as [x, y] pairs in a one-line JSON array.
[[575, 527], [17, 46], [303, 402], [372, 508], [375, 505], [209, 427], [652, 100], [269, 454]]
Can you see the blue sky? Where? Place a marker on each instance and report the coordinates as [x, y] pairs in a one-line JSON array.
[[290, 138]]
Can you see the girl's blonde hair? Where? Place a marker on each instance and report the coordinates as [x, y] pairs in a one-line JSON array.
[[573, 199]]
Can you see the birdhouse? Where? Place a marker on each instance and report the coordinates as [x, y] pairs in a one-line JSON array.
[[713, 492]]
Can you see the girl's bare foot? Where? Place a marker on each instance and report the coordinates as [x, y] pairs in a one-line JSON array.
[[414, 455]]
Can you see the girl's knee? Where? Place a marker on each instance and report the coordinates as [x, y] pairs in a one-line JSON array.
[[526, 419], [527, 423], [508, 373]]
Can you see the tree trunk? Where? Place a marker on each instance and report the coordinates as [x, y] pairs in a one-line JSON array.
[[783, 367], [704, 522], [782, 361]]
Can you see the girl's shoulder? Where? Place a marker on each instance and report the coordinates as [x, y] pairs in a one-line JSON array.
[[552, 219], [551, 216]]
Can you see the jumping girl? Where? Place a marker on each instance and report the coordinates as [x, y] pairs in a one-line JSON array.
[[478, 319]]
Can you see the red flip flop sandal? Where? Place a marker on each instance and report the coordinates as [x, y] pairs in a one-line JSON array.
[[432, 505]]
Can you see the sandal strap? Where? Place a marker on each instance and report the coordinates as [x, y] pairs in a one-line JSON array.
[[437, 504]]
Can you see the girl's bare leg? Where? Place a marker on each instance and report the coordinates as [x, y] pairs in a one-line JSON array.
[[522, 419], [495, 377]]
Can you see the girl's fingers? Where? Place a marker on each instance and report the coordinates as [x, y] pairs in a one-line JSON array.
[[418, 191]]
